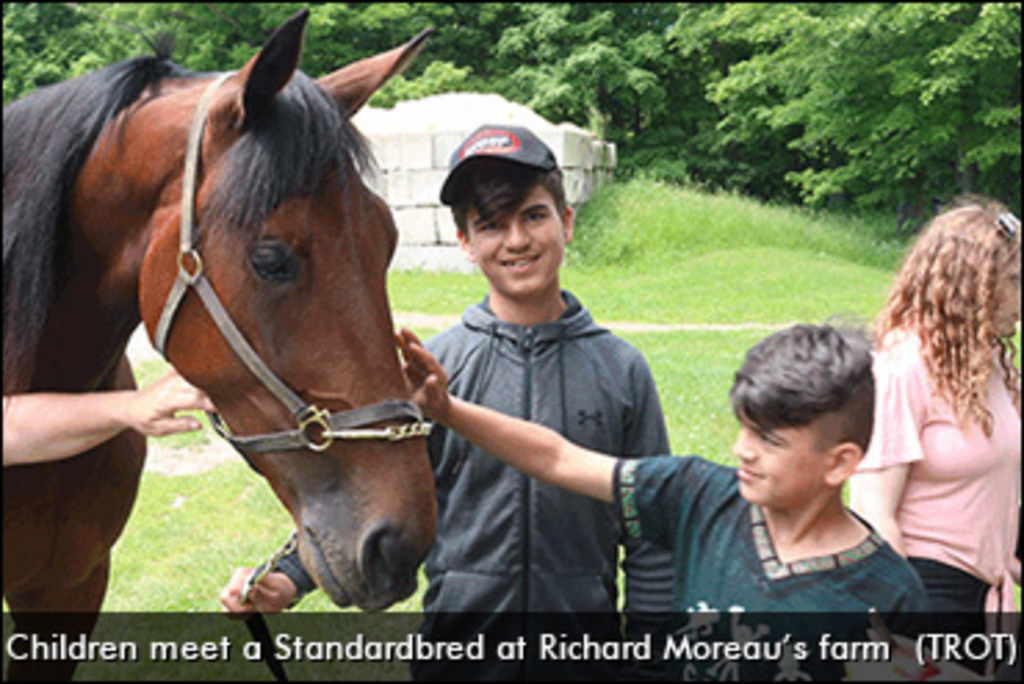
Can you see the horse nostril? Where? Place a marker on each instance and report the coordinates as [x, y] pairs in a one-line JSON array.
[[386, 558]]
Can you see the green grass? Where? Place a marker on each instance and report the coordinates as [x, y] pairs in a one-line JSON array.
[[745, 285], [694, 371], [189, 532], [646, 223]]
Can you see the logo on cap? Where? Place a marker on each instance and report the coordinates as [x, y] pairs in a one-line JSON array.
[[490, 142]]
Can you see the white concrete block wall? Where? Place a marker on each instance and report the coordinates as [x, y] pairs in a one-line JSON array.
[[445, 143], [447, 231]]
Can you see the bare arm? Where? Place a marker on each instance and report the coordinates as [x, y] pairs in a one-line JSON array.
[[537, 451], [876, 495], [48, 427]]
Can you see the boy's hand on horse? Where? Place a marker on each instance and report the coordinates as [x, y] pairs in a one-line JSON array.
[[424, 375], [272, 594]]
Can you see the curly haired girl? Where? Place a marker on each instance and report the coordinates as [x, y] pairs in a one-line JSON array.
[[941, 478]]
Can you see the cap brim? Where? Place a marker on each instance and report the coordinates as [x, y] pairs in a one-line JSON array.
[[451, 184]]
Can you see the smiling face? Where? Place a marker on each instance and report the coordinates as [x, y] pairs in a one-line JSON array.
[[790, 468], [520, 253], [781, 468]]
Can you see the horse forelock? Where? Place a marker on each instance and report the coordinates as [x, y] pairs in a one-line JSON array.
[[48, 135], [301, 142]]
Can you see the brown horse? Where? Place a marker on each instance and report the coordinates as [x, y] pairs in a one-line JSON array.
[[294, 249]]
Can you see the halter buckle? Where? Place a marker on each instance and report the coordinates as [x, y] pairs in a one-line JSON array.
[[312, 415]]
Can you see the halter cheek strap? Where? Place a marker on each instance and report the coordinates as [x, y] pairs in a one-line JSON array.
[[317, 428]]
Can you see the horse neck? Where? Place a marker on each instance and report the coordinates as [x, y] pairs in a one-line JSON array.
[[92, 316], [96, 302]]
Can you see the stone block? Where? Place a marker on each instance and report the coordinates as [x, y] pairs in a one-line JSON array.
[[573, 181], [447, 231], [572, 149], [416, 225], [431, 258], [387, 150], [417, 151], [415, 187], [444, 145]]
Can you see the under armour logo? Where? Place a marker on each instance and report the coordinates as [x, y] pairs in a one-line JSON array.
[[597, 417]]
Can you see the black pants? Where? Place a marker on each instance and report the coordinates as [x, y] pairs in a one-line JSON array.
[[958, 596]]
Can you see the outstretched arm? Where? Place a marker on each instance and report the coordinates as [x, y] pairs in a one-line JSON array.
[[48, 427], [537, 451]]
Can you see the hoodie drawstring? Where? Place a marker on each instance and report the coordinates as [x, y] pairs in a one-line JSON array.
[[561, 380]]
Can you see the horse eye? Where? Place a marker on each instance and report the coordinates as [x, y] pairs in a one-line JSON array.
[[274, 262]]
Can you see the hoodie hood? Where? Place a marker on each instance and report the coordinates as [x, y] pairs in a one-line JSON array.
[[574, 322]]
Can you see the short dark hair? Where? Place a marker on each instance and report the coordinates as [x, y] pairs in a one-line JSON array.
[[496, 187], [795, 376]]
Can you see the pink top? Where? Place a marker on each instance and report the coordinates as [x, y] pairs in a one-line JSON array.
[[960, 504]]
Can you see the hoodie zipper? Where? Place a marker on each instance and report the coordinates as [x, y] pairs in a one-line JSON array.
[[527, 413], [527, 498]]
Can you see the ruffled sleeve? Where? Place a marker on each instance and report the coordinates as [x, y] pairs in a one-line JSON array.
[[902, 392]]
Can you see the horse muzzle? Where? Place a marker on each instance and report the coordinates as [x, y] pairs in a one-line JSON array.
[[378, 572]]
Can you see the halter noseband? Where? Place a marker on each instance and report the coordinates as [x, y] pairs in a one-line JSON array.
[[317, 428]]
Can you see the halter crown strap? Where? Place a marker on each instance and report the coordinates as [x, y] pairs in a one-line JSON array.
[[188, 217]]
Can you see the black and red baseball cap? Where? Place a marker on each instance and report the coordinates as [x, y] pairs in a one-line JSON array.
[[509, 143]]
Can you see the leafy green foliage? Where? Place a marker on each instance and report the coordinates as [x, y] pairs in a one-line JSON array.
[[874, 107]]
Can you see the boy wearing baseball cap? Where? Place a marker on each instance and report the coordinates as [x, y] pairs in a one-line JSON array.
[[508, 545]]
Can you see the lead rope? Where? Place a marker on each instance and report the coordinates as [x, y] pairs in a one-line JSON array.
[[257, 623]]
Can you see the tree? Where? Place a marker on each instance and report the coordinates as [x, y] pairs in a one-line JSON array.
[[890, 104], [875, 106]]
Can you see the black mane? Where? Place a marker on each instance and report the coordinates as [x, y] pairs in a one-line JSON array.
[[47, 137], [301, 141]]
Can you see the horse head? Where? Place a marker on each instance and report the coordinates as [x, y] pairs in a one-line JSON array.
[[294, 249]]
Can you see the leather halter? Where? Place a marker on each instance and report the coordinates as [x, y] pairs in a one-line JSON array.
[[344, 425]]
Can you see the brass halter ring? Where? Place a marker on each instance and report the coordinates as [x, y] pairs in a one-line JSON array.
[[316, 416], [190, 277]]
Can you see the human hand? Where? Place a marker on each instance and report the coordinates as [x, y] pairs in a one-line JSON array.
[[272, 594], [152, 410], [426, 379]]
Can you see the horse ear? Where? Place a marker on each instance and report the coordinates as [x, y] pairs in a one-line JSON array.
[[353, 85], [271, 69]]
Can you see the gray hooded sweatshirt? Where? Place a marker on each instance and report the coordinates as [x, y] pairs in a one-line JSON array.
[[509, 544]]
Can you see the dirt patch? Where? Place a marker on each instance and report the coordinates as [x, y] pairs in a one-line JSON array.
[[178, 461]]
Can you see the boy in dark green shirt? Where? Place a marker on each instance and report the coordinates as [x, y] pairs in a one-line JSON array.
[[768, 548]]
